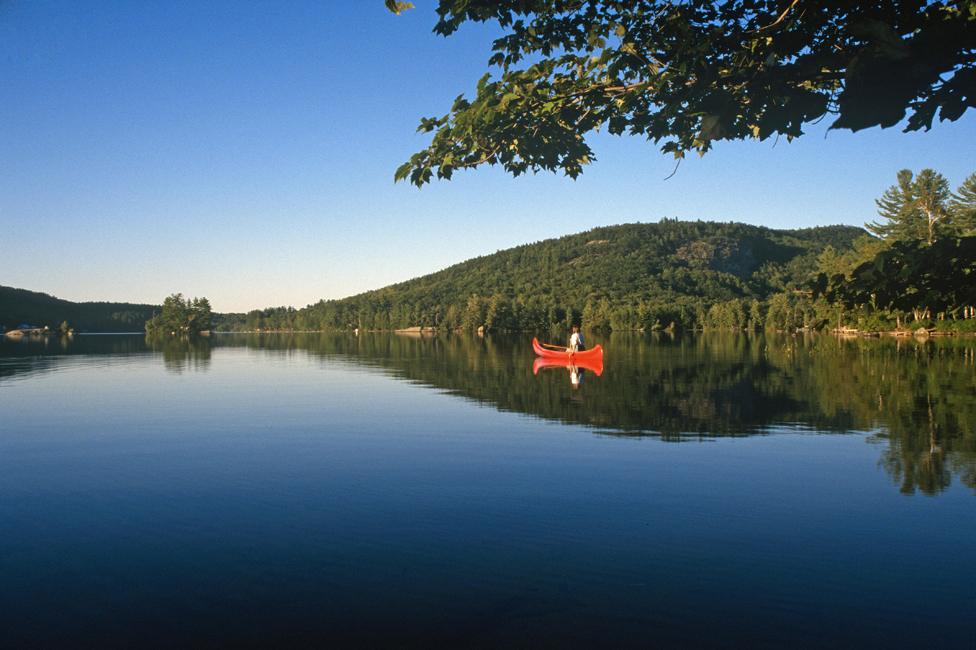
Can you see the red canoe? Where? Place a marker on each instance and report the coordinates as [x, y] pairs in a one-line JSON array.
[[591, 356]]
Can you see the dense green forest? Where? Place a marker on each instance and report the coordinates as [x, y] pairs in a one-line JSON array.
[[915, 270], [19, 306], [632, 276]]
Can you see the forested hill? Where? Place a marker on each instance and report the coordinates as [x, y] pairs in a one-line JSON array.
[[628, 276], [19, 306]]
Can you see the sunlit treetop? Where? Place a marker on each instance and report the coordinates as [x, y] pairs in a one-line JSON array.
[[686, 74]]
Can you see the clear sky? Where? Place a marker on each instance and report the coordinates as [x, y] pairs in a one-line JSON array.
[[245, 151]]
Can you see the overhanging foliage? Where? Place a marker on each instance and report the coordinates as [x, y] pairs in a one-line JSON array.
[[685, 75]]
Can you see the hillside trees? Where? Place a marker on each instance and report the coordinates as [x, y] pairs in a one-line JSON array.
[[633, 276], [474, 314], [499, 314], [687, 275], [21, 306], [685, 75], [655, 276]]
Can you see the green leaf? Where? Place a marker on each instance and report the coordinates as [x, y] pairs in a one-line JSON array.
[[402, 172], [398, 7]]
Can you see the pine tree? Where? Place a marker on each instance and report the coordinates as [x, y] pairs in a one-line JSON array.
[[932, 198], [902, 221], [201, 315], [963, 207], [915, 209]]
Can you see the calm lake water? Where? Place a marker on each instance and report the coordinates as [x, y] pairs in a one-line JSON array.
[[386, 491]]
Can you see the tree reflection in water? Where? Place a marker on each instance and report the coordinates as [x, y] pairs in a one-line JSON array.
[[182, 353], [915, 398], [918, 396]]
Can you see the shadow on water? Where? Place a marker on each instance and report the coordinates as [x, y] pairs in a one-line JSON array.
[[917, 398]]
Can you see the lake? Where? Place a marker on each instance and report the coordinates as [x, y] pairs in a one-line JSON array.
[[394, 491]]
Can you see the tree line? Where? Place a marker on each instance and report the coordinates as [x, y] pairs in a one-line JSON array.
[[913, 267], [646, 276], [918, 271], [19, 306]]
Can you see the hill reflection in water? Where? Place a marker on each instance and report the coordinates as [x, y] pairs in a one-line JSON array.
[[917, 398]]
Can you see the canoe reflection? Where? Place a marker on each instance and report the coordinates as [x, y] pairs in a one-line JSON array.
[[576, 369]]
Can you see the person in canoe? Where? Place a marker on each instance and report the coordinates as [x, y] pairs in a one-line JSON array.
[[576, 343]]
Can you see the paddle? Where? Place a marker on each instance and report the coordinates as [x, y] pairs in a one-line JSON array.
[[556, 347]]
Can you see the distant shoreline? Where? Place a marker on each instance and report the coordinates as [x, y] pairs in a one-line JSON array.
[[920, 333]]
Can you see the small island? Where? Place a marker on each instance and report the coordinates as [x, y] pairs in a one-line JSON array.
[[181, 317]]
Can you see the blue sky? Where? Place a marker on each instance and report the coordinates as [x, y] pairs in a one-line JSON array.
[[245, 152]]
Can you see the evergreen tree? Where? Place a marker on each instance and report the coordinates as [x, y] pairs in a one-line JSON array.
[[932, 198], [200, 314], [902, 221], [914, 209], [963, 207]]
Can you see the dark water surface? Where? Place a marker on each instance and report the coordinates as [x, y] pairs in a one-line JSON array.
[[705, 491]]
